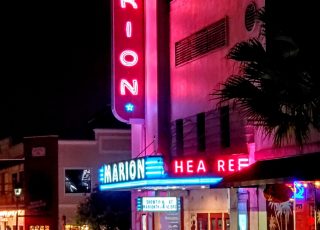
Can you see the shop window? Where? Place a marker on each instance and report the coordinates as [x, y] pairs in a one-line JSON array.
[[243, 209], [21, 178], [202, 221], [227, 223], [7, 183], [2, 182], [77, 181], [225, 126], [219, 221], [201, 135], [179, 137], [14, 179]]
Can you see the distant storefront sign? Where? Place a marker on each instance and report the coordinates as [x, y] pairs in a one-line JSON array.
[[38, 151], [158, 204]]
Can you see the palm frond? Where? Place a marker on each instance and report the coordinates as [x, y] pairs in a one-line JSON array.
[[246, 51], [234, 88], [315, 115], [277, 90], [262, 17]]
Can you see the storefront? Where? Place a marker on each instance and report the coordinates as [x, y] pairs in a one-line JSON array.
[[178, 197], [286, 193], [9, 219]]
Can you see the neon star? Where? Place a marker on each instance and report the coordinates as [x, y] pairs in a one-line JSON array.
[[129, 107]]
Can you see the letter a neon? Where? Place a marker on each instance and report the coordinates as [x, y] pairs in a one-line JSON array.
[[201, 167]]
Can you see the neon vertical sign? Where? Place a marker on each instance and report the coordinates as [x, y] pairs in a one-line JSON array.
[[128, 77]]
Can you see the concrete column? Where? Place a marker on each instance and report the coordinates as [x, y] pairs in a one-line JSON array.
[[233, 209]]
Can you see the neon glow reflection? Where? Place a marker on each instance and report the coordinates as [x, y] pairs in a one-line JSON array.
[[162, 182]]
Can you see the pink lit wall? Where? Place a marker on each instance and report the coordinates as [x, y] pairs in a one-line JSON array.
[[144, 131], [192, 82], [110, 145], [144, 134], [151, 67]]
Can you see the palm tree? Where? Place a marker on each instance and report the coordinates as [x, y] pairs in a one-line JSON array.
[[273, 225], [275, 89], [286, 208], [283, 211], [108, 209]]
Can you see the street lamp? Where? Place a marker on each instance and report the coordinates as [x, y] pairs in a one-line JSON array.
[[17, 192]]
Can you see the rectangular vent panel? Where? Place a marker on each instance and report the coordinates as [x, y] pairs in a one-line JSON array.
[[207, 39]]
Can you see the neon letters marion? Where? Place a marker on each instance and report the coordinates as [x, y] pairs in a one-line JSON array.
[[128, 77], [123, 171], [132, 170]]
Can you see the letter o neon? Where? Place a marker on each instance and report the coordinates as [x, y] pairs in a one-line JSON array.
[[126, 53]]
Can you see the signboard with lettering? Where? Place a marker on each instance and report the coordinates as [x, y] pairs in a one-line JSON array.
[[131, 170], [158, 204], [219, 165], [128, 75], [171, 220], [145, 172]]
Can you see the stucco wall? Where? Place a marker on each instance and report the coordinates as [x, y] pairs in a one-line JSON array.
[[265, 148], [205, 201], [109, 146], [192, 83]]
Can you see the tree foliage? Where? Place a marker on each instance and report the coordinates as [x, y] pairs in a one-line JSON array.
[[106, 210], [275, 88]]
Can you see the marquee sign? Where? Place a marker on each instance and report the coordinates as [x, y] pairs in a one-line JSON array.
[[131, 170], [219, 166], [144, 172], [128, 80], [158, 204]]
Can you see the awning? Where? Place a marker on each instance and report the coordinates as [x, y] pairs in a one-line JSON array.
[[304, 167]]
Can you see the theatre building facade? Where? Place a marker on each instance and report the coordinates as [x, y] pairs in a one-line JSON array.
[[189, 158], [168, 58]]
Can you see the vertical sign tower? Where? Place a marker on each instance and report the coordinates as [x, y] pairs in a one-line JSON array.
[[128, 73], [41, 182]]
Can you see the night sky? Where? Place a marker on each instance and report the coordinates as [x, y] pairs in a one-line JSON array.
[[55, 74], [56, 64]]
